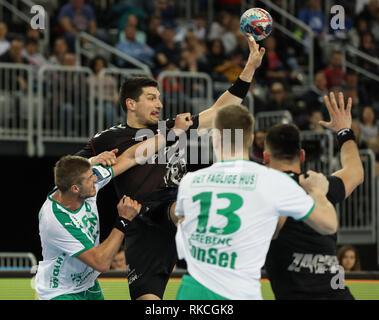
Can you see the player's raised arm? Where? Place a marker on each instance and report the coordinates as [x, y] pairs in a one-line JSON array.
[[237, 92], [141, 151], [352, 173]]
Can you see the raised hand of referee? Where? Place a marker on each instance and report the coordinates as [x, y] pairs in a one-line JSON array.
[[340, 117]]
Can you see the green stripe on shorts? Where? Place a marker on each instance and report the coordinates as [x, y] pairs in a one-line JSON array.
[[190, 289]]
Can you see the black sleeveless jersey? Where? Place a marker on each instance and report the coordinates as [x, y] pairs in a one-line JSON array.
[[159, 177], [301, 263]]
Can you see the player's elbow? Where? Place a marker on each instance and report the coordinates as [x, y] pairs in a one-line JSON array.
[[102, 267]]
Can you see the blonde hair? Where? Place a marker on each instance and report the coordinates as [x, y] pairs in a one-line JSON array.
[[235, 117]]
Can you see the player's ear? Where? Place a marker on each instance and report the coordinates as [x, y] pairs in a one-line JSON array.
[[302, 155], [266, 157], [130, 104], [74, 188]]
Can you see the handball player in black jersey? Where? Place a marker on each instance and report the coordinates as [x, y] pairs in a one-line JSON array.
[[150, 242], [301, 262]]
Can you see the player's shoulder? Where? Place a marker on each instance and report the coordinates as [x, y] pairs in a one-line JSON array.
[[111, 133]]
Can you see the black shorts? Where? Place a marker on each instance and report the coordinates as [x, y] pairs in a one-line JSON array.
[[150, 250]]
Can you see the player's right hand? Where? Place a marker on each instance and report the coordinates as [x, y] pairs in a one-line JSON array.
[[314, 183], [340, 117], [106, 158], [183, 121], [128, 208]]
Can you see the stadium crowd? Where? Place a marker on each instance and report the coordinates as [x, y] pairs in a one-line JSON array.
[[151, 32]]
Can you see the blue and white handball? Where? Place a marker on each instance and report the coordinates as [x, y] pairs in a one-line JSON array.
[[257, 22]]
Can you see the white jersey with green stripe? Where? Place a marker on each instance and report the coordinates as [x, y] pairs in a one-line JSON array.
[[230, 211], [65, 234]]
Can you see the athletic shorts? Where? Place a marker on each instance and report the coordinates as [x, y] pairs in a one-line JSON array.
[[191, 289], [93, 293], [150, 250]]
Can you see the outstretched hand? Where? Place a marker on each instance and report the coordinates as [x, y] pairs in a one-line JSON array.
[[256, 53], [340, 117]]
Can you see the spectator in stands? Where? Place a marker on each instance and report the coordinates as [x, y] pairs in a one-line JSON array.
[[352, 83], [122, 10], [69, 60], [216, 57], [197, 26], [370, 11], [4, 43], [314, 119], [189, 62], [334, 73], [314, 97], [119, 261], [229, 38], [219, 27], [134, 21], [137, 50], [154, 30], [232, 67], [368, 45], [168, 51], [274, 67], [369, 125], [361, 27], [313, 16], [355, 126], [258, 146], [166, 9], [60, 49], [14, 55], [36, 35], [279, 99], [75, 17], [34, 58], [110, 95], [192, 43], [348, 258]]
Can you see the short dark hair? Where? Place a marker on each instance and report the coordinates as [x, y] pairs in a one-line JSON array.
[[132, 88], [283, 141]]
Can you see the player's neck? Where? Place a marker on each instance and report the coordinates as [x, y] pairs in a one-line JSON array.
[[234, 156], [67, 200], [285, 166]]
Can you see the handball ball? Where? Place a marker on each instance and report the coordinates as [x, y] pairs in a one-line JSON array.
[[257, 22]]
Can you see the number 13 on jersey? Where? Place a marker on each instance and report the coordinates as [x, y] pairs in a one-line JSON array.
[[233, 220]]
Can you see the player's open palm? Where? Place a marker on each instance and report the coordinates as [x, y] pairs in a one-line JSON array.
[[128, 208], [340, 117]]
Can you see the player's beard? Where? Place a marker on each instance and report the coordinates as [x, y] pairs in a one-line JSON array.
[[84, 194]]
